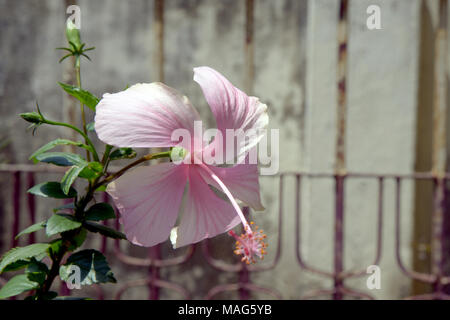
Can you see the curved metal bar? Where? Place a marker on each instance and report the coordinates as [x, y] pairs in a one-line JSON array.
[[31, 201], [362, 272], [217, 264], [300, 259], [157, 283], [331, 292], [16, 208], [428, 278], [430, 296], [239, 286], [99, 291], [147, 262], [239, 266]]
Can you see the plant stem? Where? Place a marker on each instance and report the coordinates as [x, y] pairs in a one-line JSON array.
[[57, 260], [83, 115], [147, 157], [86, 138]]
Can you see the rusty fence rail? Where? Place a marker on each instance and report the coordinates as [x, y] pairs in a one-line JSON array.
[[244, 286]]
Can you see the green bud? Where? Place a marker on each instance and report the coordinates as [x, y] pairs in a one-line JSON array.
[[32, 117], [73, 34], [177, 154]]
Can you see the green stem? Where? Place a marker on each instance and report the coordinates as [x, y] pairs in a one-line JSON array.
[[58, 258], [83, 115], [86, 138], [147, 157]]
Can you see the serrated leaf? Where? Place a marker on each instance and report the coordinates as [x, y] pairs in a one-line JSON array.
[[63, 159], [70, 176], [37, 271], [33, 228], [103, 230], [92, 265], [100, 211], [20, 264], [61, 223], [57, 142], [122, 153], [52, 190], [17, 285], [22, 253], [83, 96]]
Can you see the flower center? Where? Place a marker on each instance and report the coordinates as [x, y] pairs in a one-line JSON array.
[[250, 244]]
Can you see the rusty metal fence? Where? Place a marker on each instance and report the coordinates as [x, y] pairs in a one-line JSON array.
[[155, 262]]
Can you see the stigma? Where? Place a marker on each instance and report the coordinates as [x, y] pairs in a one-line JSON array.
[[250, 244]]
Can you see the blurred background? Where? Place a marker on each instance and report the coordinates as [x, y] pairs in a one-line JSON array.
[[346, 97]]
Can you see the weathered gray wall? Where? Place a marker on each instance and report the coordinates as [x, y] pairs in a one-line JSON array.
[[295, 60]]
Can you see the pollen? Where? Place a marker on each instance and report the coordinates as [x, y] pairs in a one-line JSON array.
[[250, 245]]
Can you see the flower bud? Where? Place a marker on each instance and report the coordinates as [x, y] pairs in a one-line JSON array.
[[178, 154], [32, 117], [73, 34]]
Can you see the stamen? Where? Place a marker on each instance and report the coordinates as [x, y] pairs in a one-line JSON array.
[[250, 243]]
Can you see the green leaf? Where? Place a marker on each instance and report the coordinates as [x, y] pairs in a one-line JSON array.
[[64, 159], [103, 230], [61, 223], [55, 247], [93, 267], [93, 170], [102, 188], [20, 264], [70, 176], [90, 126], [78, 240], [22, 253], [37, 271], [122, 153], [57, 142], [70, 205], [100, 211], [33, 228], [16, 285], [83, 96], [52, 190]]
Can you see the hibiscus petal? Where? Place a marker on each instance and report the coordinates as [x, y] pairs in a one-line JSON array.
[[205, 215], [241, 180], [144, 115], [149, 199], [232, 109]]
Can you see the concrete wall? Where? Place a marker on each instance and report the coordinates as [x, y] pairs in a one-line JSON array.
[[295, 75]]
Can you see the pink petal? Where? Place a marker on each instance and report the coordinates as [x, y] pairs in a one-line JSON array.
[[205, 214], [144, 115], [149, 199], [241, 180], [232, 108]]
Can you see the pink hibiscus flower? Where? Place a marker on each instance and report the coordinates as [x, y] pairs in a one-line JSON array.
[[149, 197]]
